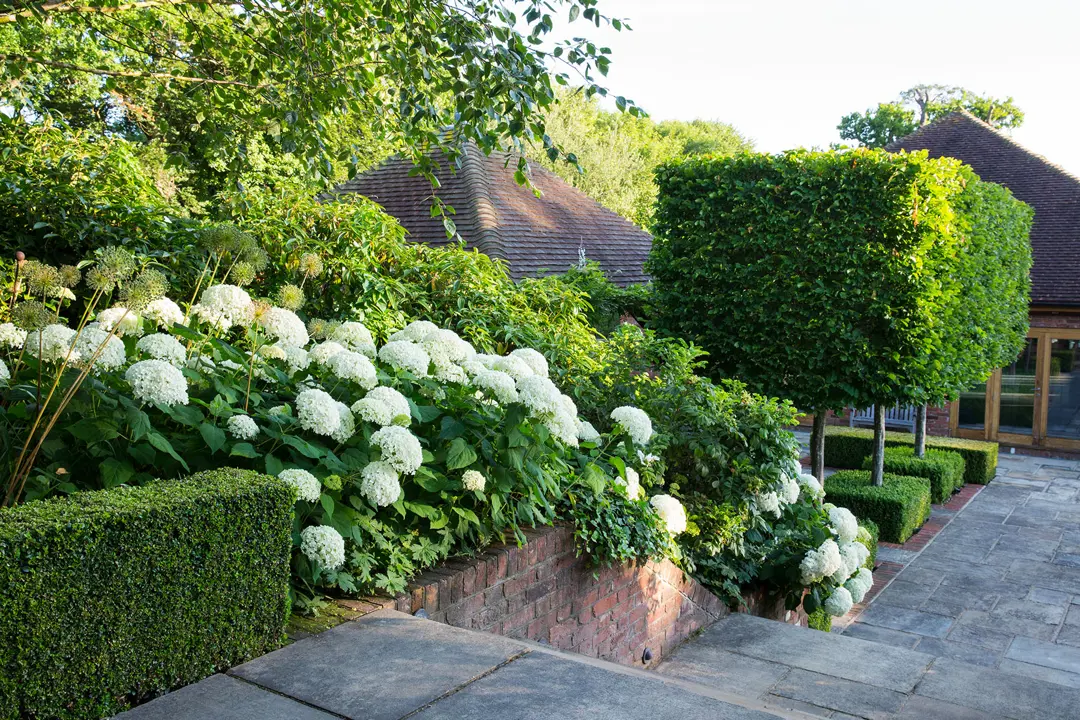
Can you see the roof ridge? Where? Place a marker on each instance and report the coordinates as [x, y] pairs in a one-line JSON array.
[[966, 115], [489, 238]]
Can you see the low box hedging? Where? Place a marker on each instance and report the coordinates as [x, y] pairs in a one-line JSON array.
[[108, 598], [847, 447], [871, 542], [943, 468], [899, 507]]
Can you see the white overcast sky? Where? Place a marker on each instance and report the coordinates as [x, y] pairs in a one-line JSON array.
[[785, 71]]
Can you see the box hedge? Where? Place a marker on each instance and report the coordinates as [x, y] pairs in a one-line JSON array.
[[847, 447], [871, 542], [899, 507], [943, 468], [109, 598]]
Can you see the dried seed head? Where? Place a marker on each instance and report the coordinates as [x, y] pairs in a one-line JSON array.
[[290, 297], [311, 265], [31, 315]]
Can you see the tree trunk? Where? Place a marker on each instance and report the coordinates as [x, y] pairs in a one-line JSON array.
[[817, 447], [920, 431], [877, 468]]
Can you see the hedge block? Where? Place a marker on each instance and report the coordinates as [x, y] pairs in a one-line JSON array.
[[108, 598], [899, 507], [847, 447], [943, 468], [870, 540]]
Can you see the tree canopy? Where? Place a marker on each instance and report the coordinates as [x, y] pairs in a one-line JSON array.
[[922, 104], [307, 87], [612, 156]]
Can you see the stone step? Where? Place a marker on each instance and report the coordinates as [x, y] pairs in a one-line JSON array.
[[831, 675], [388, 665]]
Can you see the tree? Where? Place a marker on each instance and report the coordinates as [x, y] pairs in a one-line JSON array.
[[876, 128], [836, 279], [612, 156], [214, 80]]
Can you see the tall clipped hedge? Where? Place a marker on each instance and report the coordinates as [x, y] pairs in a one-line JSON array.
[[841, 278], [110, 597]]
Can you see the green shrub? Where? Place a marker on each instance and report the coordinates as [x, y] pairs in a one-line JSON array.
[[110, 597], [819, 620], [868, 536], [944, 469], [899, 507], [847, 447]]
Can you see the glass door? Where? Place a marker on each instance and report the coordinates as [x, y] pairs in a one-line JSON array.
[[1018, 396], [1061, 416]]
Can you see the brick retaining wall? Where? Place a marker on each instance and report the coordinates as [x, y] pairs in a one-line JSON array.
[[542, 592]]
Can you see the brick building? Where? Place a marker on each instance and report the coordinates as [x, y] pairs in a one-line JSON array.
[[1035, 401]]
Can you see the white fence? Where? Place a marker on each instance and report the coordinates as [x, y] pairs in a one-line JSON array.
[[894, 417]]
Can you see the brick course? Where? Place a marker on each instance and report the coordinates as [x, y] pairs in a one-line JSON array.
[[541, 591]]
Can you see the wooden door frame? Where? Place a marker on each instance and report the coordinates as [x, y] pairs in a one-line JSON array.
[[991, 421]]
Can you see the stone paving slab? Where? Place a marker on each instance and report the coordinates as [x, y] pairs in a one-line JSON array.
[[907, 620], [543, 687], [380, 667], [712, 666], [854, 698], [999, 693], [223, 698], [847, 658]]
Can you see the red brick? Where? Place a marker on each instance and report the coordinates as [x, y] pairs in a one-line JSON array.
[[603, 605]]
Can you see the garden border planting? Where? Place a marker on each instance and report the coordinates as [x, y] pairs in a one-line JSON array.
[[846, 448], [899, 507], [108, 598], [943, 468]]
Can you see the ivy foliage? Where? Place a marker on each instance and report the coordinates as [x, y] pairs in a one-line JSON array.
[[840, 279]]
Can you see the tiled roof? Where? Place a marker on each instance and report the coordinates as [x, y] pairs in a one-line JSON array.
[[535, 235], [1050, 190]]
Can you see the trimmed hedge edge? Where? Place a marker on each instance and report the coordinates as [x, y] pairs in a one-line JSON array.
[[943, 468], [112, 597], [846, 448], [899, 507]]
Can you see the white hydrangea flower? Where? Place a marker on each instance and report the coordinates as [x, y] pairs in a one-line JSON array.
[[307, 485], [124, 321], [110, 350], [534, 359], [379, 483], [633, 484], [224, 306], [356, 337], [400, 448], [859, 584], [415, 331], [285, 327], [242, 427], [5, 374], [406, 355], [156, 381], [164, 312], [318, 412], [821, 563], [282, 410], [273, 352], [843, 524], [539, 395], [788, 490], [497, 384], [473, 480], [324, 351], [346, 426], [768, 502], [473, 365], [323, 545], [11, 336], [382, 405], [811, 488], [53, 342], [445, 347], [586, 432], [853, 555], [564, 427], [160, 346], [200, 362], [671, 511], [451, 374], [296, 359], [839, 602], [354, 367], [634, 422], [647, 458], [513, 366]]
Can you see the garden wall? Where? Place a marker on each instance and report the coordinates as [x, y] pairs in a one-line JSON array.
[[543, 592]]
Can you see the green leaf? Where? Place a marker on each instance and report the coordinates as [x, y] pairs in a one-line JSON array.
[[303, 446], [244, 449], [459, 455], [468, 515], [273, 466], [94, 430], [138, 423], [327, 503], [115, 472], [184, 414], [159, 442], [142, 453], [425, 511], [213, 435]]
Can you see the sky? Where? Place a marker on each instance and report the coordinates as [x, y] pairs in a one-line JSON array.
[[785, 71]]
